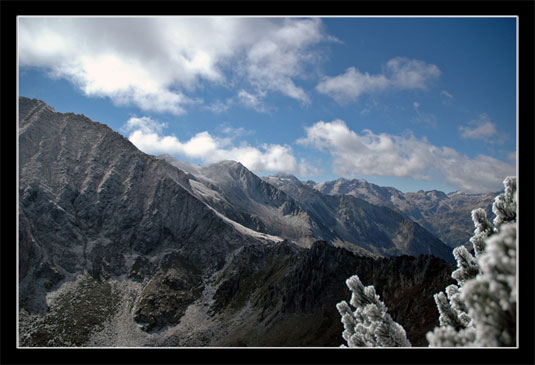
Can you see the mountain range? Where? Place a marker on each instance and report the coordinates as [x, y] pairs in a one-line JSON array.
[[120, 248], [285, 207], [447, 216]]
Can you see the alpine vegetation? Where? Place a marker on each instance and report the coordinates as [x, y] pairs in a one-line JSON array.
[[481, 310], [369, 325]]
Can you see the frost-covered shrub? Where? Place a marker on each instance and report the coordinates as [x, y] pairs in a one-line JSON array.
[[369, 325], [481, 310]]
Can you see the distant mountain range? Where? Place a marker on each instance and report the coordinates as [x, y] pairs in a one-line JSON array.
[[120, 248], [285, 207], [447, 216]]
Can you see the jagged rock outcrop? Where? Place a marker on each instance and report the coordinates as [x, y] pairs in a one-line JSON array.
[[117, 249]]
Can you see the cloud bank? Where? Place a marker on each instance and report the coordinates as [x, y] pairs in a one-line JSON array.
[[400, 73], [156, 62], [146, 134], [481, 128], [403, 156]]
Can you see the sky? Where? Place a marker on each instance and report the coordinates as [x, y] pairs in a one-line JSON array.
[[413, 103]]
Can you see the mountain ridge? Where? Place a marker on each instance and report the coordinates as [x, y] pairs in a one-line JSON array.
[[447, 216], [286, 207], [117, 249]]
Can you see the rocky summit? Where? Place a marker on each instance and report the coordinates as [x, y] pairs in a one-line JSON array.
[[120, 248]]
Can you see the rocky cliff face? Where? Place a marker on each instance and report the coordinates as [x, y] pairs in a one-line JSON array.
[[447, 216], [240, 195], [117, 249], [90, 201], [285, 207], [355, 221]]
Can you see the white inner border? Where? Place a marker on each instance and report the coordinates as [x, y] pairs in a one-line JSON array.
[[260, 16]]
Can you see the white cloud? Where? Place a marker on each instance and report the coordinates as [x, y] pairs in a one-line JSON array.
[[144, 124], [404, 156], [401, 73], [251, 100], [446, 94], [235, 132], [155, 62], [512, 157], [410, 74], [218, 106], [275, 60], [146, 134], [350, 85], [480, 128]]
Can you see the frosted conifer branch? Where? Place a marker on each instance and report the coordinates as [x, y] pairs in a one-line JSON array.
[[485, 300], [447, 336], [369, 324], [457, 304], [483, 229], [505, 204], [448, 315], [491, 297], [467, 267]]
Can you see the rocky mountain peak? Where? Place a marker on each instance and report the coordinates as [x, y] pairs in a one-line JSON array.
[[27, 105], [287, 178]]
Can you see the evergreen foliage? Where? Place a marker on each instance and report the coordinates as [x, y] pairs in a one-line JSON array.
[[481, 310], [369, 325]]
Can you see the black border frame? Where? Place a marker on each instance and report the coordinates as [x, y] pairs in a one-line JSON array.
[[525, 10]]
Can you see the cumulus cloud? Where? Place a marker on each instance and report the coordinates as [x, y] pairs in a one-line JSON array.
[[156, 62], [273, 62], [351, 84], [400, 73], [145, 124], [146, 134], [404, 156], [405, 73], [480, 128]]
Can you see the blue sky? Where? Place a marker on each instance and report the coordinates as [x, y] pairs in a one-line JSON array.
[[413, 103]]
